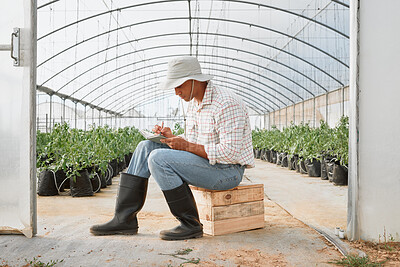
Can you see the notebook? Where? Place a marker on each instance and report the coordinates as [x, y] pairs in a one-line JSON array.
[[152, 136]]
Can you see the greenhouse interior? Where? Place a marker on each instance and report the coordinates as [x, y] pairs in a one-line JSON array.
[[313, 90]]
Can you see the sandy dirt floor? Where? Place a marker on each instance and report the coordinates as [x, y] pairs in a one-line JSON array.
[[63, 237]]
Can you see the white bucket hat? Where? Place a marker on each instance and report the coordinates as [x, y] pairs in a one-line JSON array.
[[180, 70]]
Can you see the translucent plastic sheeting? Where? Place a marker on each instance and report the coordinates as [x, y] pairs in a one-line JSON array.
[[112, 54], [17, 106]]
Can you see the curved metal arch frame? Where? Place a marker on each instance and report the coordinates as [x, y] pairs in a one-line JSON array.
[[254, 80], [127, 73], [49, 3], [149, 101], [278, 32], [201, 45], [169, 1], [129, 86], [153, 89], [223, 35], [341, 3], [219, 64], [259, 82], [291, 13], [153, 86], [165, 94], [208, 63], [50, 92], [100, 76], [206, 55], [250, 25]]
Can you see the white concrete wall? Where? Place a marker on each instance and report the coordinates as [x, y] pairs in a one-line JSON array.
[[376, 176]]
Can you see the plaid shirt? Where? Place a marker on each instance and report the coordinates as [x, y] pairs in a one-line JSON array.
[[221, 123]]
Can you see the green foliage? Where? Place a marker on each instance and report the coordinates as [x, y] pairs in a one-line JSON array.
[[178, 129], [37, 263], [73, 150], [179, 253], [340, 140], [356, 261], [307, 142]]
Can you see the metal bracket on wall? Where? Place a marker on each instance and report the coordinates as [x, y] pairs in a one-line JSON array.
[[14, 47]]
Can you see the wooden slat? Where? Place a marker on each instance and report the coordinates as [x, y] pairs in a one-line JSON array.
[[240, 186], [236, 195], [231, 211], [233, 225]]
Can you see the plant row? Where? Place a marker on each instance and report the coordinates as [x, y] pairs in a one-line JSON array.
[[69, 156], [320, 152]]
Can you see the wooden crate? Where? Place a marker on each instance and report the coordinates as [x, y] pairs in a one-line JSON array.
[[230, 211]]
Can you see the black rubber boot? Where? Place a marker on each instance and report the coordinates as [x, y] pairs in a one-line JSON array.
[[183, 206], [130, 200]]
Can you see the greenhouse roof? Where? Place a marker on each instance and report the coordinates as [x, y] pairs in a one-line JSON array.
[[111, 55]]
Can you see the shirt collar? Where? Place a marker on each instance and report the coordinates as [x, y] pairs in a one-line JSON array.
[[207, 96]]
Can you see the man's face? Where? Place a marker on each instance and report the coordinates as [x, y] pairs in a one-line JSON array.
[[184, 90]]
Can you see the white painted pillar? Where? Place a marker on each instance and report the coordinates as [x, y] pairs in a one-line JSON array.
[[374, 169]]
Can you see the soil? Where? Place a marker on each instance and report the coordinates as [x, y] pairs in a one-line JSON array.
[[386, 253], [254, 257], [244, 257]]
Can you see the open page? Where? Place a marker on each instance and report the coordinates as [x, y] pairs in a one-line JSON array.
[[152, 136]]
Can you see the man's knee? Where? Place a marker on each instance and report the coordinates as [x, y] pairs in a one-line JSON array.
[[143, 144], [157, 157]]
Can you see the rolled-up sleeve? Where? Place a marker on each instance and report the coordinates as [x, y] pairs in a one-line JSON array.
[[229, 125]]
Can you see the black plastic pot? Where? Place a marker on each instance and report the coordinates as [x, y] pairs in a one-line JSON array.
[[340, 175], [313, 167], [274, 156], [285, 160], [121, 165], [46, 184], [329, 170], [114, 166], [292, 162], [262, 156], [324, 167], [279, 158], [297, 163], [109, 175], [61, 180], [102, 177], [268, 155], [81, 187], [302, 167], [96, 182], [258, 153], [103, 182], [127, 160]]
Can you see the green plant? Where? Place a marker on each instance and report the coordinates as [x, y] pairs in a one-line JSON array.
[[73, 150], [307, 142], [37, 263], [178, 129], [356, 261], [180, 253], [340, 141], [386, 246]]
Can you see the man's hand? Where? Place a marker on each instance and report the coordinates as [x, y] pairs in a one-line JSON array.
[[166, 131], [177, 143]]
